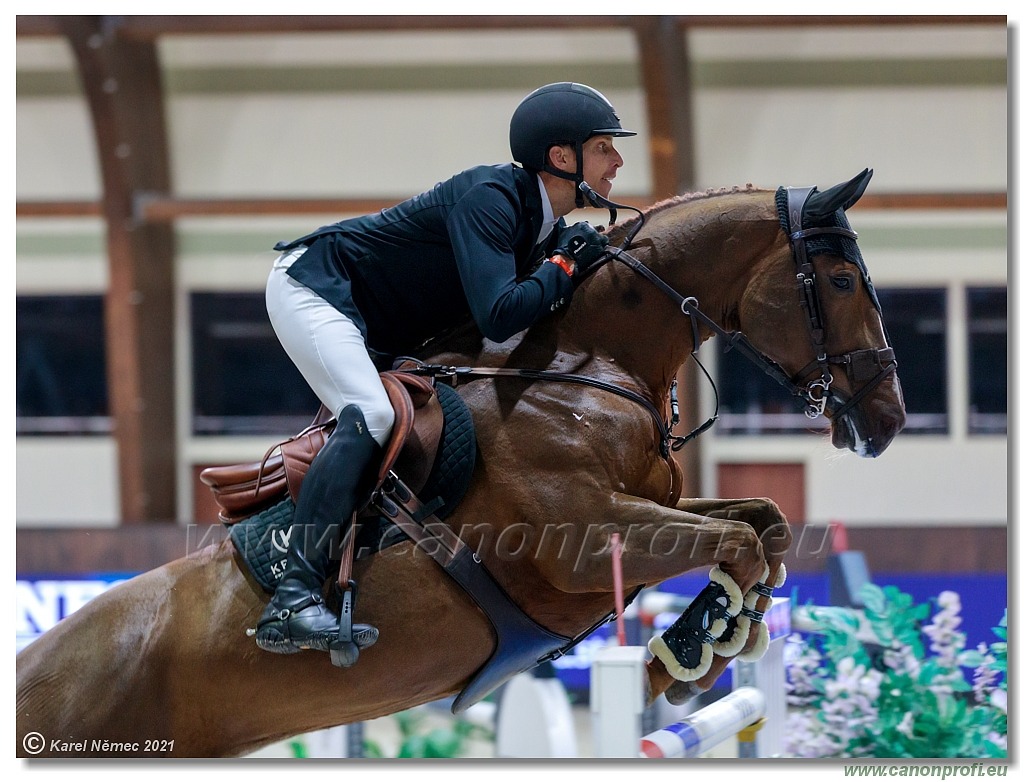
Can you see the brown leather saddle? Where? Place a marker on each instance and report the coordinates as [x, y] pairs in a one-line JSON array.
[[243, 490]]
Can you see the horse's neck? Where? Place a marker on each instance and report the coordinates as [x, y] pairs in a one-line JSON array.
[[708, 249]]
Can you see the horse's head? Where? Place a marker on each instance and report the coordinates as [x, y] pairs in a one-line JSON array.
[[821, 320]]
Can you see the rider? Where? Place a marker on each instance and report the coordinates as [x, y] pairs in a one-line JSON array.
[[490, 242]]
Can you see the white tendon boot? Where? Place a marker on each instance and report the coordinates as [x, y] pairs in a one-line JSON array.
[[686, 648]]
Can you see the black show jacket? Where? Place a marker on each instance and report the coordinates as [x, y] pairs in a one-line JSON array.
[[465, 247]]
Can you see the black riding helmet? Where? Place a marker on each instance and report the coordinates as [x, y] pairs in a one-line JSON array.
[[561, 113]]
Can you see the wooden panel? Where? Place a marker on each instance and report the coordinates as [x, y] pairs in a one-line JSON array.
[[932, 549], [127, 549], [782, 482]]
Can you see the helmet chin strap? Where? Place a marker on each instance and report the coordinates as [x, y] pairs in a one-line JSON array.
[[576, 179], [599, 201]]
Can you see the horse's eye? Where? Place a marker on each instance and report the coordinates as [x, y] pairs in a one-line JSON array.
[[842, 283]]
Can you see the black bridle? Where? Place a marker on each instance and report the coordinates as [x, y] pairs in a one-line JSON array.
[[817, 392], [812, 384]]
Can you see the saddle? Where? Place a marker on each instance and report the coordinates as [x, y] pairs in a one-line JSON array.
[[244, 490]]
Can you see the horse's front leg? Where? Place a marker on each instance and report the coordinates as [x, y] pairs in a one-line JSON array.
[[658, 543], [775, 536]]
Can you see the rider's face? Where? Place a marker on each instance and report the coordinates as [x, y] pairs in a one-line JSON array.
[[600, 163]]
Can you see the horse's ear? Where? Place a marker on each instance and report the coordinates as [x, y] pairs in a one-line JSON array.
[[842, 196]]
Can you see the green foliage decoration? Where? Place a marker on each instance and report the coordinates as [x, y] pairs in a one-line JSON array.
[[895, 681], [439, 742]]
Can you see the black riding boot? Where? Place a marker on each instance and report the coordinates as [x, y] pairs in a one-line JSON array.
[[297, 617]]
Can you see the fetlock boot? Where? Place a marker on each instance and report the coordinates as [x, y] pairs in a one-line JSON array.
[[297, 617]]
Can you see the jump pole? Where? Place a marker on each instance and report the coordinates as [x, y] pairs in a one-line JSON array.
[[742, 708]]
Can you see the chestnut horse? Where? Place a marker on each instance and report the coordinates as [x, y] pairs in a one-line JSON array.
[[162, 663]]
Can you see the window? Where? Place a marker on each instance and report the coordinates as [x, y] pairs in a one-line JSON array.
[[243, 382], [916, 320], [61, 383], [752, 403], [986, 360]]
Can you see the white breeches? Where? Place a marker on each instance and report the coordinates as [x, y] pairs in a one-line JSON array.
[[327, 348]]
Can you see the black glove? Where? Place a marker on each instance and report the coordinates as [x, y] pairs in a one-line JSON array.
[[582, 245]]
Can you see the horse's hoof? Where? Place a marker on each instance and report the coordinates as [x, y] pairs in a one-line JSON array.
[[679, 693]]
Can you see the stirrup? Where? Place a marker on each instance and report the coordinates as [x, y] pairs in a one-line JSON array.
[[351, 638], [685, 648]]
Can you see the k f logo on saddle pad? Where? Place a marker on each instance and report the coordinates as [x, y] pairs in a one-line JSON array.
[[281, 539]]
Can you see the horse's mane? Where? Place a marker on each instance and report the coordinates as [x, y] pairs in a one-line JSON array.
[[620, 228]]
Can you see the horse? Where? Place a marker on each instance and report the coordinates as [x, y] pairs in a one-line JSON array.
[[161, 665]]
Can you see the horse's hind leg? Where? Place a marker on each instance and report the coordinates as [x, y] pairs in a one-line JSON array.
[[774, 533]]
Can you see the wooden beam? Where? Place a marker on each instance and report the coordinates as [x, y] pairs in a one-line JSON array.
[[121, 81], [925, 201], [665, 73], [153, 27], [162, 209], [812, 20]]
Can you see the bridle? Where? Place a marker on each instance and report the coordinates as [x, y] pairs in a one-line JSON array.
[[817, 392], [812, 384]]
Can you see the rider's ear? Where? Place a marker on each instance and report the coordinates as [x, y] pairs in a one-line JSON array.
[[842, 196], [562, 157]]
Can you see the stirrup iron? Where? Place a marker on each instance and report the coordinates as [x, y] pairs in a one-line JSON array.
[[344, 651]]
